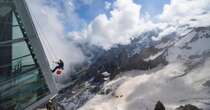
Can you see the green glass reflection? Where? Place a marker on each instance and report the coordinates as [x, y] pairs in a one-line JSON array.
[[21, 91], [24, 84], [16, 31]]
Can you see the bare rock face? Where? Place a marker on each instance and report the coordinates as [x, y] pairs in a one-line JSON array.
[[159, 106], [207, 83], [188, 107]]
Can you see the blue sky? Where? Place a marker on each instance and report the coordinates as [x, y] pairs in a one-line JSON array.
[[87, 10], [153, 7], [90, 11]]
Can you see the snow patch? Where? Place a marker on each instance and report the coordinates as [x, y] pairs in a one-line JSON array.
[[143, 91]]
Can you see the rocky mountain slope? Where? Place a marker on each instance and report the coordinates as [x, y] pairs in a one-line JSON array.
[[174, 70]]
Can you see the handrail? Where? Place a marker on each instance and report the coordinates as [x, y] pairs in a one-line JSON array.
[[21, 57], [13, 25], [2, 43], [10, 64], [23, 72]]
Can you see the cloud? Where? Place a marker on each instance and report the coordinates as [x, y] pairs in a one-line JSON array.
[[124, 22], [107, 5], [165, 32], [180, 12], [191, 13], [68, 16], [51, 32]]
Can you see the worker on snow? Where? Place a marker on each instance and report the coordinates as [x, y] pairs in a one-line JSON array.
[[60, 65]]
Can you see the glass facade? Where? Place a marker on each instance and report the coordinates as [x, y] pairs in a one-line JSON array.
[[21, 82]]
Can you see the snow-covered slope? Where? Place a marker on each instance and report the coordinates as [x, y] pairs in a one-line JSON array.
[[184, 80], [143, 91]]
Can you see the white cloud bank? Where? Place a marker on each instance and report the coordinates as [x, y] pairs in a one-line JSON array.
[[51, 33], [193, 12], [124, 22]]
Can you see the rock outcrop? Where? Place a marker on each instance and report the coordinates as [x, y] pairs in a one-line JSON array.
[[188, 107], [159, 106]]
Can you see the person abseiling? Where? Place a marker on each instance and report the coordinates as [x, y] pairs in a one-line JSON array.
[[59, 67]]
